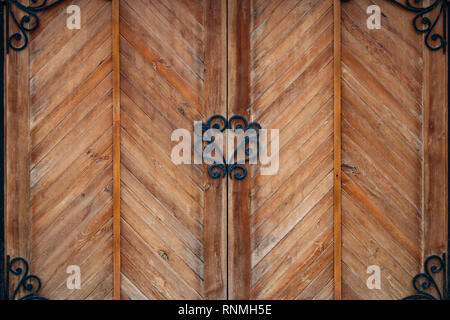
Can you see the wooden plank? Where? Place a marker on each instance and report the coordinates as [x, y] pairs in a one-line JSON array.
[[435, 133], [337, 224], [116, 149], [215, 197], [239, 252], [17, 152]]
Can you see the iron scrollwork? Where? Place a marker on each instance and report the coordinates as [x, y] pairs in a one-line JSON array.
[[222, 165], [27, 23], [426, 281], [427, 22], [433, 40], [28, 284]]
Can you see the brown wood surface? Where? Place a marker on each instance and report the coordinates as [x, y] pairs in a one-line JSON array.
[[164, 232], [89, 176], [394, 145], [215, 198], [116, 147], [70, 125], [292, 90], [435, 139], [337, 189], [17, 149], [239, 251]]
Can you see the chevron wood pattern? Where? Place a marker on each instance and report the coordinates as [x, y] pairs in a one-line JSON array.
[[382, 111], [181, 233], [162, 72], [292, 90], [70, 157]]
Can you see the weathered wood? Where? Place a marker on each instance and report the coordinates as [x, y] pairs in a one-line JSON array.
[[163, 205], [363, 150], [435, 102], [116, 147], [337, 192], [215, 197], [292, 90], [70, 125], [17, 152], [384, 151], [239, 253]]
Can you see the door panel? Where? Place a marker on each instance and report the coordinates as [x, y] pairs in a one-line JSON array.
[[162, 83], [292, 90], [59, 145], [385, 111], [283, 82]]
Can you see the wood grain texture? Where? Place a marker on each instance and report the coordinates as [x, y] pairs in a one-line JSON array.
[[292, 90], [387, 132], [116, 146], [239, 249], [164, 64], [215, 198], [362, 116], [17, 151], [70, 127], [435, 139], [337, 187]]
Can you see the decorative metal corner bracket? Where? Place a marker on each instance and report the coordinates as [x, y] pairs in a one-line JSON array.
[[425, 281], [28, 285], [422, 22], [206, 143], [27, 23]]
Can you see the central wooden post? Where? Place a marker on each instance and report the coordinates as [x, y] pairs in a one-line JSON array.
[[239, 251]]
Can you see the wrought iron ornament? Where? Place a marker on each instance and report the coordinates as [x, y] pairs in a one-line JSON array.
[[28, 284], [205, 144], [422, 22], [27, 23], [426, 281], [428, 24]]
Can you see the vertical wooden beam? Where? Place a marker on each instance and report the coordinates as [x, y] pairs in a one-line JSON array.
[[116, 148], [239, 250], [337, 202], [2, 154], [435, 135], [17, 151], [215, 197]]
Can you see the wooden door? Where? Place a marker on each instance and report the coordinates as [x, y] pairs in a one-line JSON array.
[[394, 111], [173, 76], [173, 72], [90, 181]]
